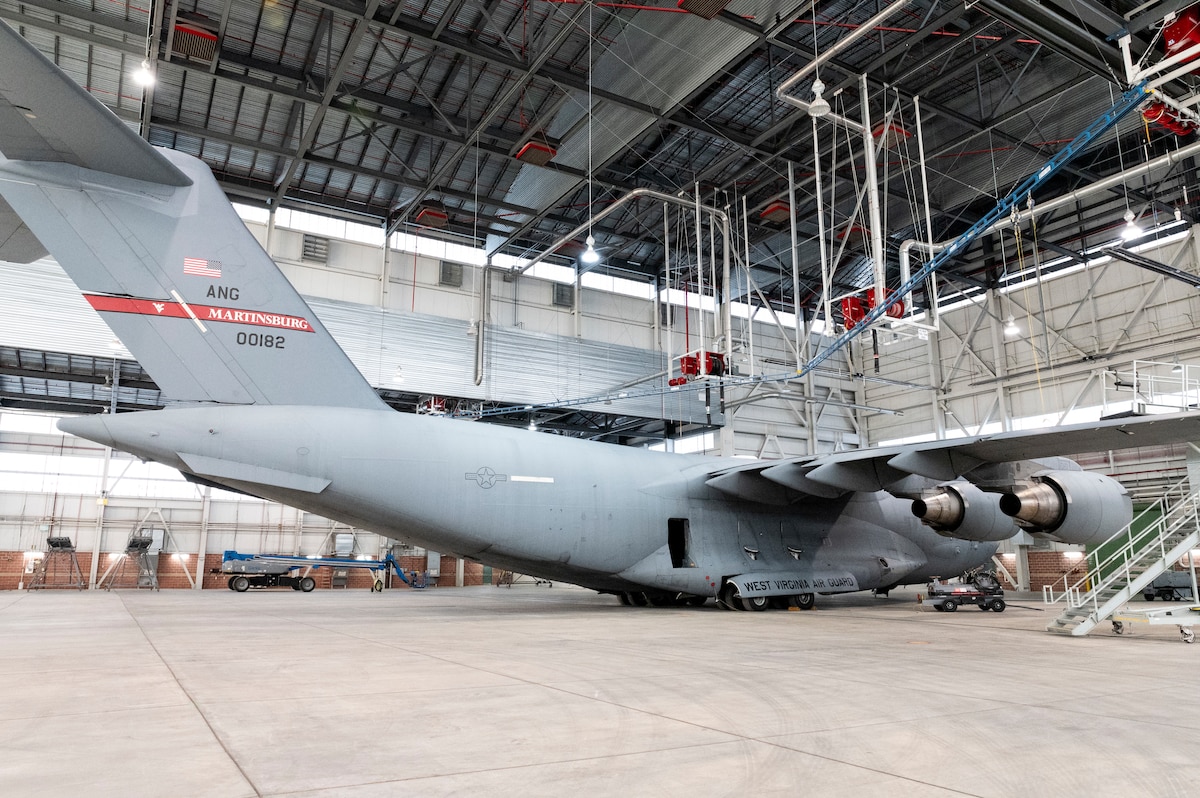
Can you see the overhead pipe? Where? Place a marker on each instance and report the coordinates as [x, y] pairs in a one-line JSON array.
[[782, 91], [875, 222], [1170, 159], [718, 214]]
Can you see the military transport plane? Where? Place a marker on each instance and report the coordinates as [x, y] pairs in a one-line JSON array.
[[269, 405]]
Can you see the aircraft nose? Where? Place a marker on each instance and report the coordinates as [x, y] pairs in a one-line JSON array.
[[92, 428]]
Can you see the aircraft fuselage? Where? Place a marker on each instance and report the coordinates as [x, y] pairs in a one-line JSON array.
[[607, 517]]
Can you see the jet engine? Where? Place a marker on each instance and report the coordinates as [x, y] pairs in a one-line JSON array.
[[1070, 506], [961, 510]]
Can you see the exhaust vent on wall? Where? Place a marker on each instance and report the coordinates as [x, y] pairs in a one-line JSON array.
[[564, 295], [316, 249], [194, 42], [451, 274]]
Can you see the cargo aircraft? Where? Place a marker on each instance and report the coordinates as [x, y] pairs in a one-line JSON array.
[[266, 403]]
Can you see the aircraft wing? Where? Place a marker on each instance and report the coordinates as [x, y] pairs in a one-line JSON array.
[[831, 475], [44, 117]]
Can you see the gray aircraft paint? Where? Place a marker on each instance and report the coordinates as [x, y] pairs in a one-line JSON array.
[[293, 421]]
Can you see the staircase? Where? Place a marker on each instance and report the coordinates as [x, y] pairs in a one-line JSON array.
[[1119, 568]]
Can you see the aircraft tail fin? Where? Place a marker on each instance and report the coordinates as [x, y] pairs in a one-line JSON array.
[[158, 251]]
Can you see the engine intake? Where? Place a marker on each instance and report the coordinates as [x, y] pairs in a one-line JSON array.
[[1077, 507], [961, 510]]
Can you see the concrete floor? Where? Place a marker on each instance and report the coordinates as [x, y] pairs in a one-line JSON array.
[[559, 692]]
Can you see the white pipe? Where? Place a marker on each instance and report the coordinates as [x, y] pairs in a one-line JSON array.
[[826, 278], [933, 301], [841, 44], [700, 285], [795, 253], [749, 299], [874, 214], [1170, 61]]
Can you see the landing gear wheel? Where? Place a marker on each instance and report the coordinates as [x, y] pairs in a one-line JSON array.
[[639, 599], [949, 605], [805, 601], [658, 600], [240, 583], [625, 600], [998, 605], [377, 586], [729, 598], [755, 603], [307, 583]]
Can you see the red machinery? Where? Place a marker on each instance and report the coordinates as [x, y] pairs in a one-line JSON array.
[[1181, 34]]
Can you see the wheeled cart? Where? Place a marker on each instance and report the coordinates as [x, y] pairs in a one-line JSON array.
[[983, 590], [282, 570], [1183, 617]]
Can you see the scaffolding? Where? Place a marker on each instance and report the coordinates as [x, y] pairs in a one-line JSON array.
[[59, 567]]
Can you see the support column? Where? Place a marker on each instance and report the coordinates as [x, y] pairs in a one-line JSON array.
[[459, 571], [202, 548], [1022, 567]]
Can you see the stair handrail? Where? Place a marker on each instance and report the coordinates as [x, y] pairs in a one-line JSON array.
[[1172, 507]]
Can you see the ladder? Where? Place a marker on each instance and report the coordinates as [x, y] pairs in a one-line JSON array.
[[58, 568], [1119, 568]]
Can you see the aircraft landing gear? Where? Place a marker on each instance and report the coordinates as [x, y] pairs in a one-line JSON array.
[[805, 601]]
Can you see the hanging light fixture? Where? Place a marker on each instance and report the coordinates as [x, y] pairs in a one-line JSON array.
[[590, 255], [142, 75], [1010, 327], [1131, 230], [819, 106]]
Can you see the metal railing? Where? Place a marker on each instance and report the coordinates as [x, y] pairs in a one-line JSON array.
[[1157, 525]]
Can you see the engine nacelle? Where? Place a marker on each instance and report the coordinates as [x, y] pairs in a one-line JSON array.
[[961, 510], [1070, 506]]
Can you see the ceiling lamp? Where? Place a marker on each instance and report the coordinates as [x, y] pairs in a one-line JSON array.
[[1131, 230], [819, 106], [142, 76], [1010, 327], [590, 256]]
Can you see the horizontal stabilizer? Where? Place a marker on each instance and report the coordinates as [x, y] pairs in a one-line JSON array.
[[219, 469], [45, 117]]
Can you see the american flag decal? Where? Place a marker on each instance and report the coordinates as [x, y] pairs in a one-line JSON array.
[[201, 267]]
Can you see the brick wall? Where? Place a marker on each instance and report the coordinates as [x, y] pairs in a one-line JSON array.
[[12, 570], [171, 574]]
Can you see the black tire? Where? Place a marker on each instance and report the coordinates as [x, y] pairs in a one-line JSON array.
[[229, 582], [696, 601], [639, 599], [240, 583], [658, 600], [998, 605], [755, 603], [949, 605], [307, 583], [939, 608], [295, 585], [729, 598], [625, 600], [1148, 596], [984, 605], [805, 601]]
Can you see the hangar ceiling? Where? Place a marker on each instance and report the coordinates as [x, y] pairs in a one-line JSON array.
[[385, 111]]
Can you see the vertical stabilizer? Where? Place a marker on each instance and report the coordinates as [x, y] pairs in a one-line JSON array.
[[159, 252]]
